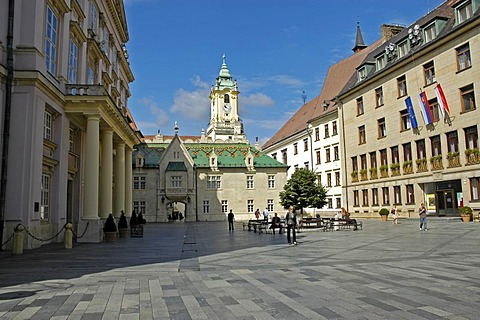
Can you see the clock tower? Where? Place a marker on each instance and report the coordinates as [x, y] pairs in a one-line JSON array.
[[225, 124]]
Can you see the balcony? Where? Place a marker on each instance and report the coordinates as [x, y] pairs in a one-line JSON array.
[[421, 165], [85, 90], [354, 176], [407, 167], [472, 156], [453, 159], [436, 162]]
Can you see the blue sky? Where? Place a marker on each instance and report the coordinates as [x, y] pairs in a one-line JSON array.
[[276, 49]]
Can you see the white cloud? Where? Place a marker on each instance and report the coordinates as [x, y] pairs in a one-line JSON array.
[[159, 116], [257, 99], [284, 79], [193, 104]]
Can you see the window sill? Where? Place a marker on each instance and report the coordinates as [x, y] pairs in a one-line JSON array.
[[402, 96], [429, 84], [461, 70], [467, 111]]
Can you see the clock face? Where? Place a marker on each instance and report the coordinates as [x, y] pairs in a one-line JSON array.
[[227, 107]]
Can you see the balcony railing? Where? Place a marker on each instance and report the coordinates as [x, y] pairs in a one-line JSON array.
[[421, 165], [373, 173], [384, 171], [472, 156], [436, 162], [395, 169], [363, 175], [85, 90], [407, 167], [453, 159], [354, 175]]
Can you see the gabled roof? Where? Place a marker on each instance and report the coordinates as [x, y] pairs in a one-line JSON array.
[[336, 78], [228, 155]]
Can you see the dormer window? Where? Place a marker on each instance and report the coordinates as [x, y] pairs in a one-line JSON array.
[[430, 32], [403, 48], [381, 62], [464, 11], [362, 73]]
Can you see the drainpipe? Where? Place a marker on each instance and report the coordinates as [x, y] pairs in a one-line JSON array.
[[6, 118]]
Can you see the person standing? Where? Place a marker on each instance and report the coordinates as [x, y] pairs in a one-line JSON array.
[[422, 212], [257, 214], [265, 214], [231, 219], [291, 221], [394, 213]]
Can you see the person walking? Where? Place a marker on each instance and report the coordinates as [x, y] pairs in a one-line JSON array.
[[394, 213], [291, 221], [265, 214], [257, 214], [422, 212], [231, 220]]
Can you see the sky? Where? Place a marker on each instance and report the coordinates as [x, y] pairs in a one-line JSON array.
[[278, 50]]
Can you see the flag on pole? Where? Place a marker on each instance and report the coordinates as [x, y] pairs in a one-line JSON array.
[[411, 112], [425, 108], [442, 101]]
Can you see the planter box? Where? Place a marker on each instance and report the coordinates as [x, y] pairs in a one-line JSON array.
[[136, 231]]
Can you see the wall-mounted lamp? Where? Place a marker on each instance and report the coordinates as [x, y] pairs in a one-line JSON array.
[[163, 199]]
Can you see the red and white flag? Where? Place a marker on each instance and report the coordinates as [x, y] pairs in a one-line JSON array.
[[442, 101]]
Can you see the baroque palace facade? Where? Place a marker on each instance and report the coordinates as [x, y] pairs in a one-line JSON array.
[[68, 134], [202, 178], [410, 121]]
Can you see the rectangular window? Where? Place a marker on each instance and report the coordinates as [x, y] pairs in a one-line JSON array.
[[139, 182], [334, 128], [436, 145], [305, 144], [421, 150], [319, 157], [404, 120], [375, 197], [206, 206], [407, 151], [429, 73], [365, 197], [410, 194], [382, 128], [72, 62], [270, 207], [336, 153], [176, 181], [51, 33], [373, 159], [356, 198], [467, 98], [452, 141], [317, 134], [284, 156], [379, 97], [403, 49], [339, 203], [224, 206], [330, 203], [176, 154], [360, 106], [395, 156], [329, 179], [271, 182], [337, 178], [47, 126], [354, 164], [464, 60], [93, 17], [90, 75], [140, 207], [250, 206], [362, 138], [327, 155], [434, 109], [474, 183], [402, 86], [214, 182], [381, 62], [45, 197], [430, 32], [362, 73], [295, 148], [471, 137], [319, 179], [464, 12], [363, 161], [327, 133], [306, 165], [385, 196], [249, 182], [396, 195], [383, 157]]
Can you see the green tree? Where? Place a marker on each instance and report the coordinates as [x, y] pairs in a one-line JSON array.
[[302, 191]]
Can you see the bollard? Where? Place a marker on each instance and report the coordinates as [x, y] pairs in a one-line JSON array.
[[68, 236], [18, 240]]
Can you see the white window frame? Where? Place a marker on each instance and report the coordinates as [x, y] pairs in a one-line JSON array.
[[140, 206], [45, 197], [270, 205], [250, 182], [139, 182], [206, 206], [464, 11], [176, 182], [214, 182], [403, 48], [224, 206], [271, 181], [47, 125], [250, 206], [430, 32], [51, 38]]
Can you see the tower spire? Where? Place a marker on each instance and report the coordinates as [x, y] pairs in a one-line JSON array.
[[359, 43]]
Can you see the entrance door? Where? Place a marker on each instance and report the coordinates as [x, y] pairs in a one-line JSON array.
[[446, 203]]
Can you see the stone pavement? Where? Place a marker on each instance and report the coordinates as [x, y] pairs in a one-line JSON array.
[[203, 271]]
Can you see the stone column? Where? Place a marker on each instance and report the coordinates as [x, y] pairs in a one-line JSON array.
[[119, 179], [128, 181], [106, 174], [92, 148]]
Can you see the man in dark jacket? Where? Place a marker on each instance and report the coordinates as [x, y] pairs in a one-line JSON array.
[[291, 221]]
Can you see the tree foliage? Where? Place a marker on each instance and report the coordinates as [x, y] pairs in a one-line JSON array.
[[302, 191]]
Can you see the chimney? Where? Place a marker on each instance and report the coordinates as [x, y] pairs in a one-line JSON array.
[[390, 30]]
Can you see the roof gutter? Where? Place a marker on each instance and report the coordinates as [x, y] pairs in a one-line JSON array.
[[6, 118]]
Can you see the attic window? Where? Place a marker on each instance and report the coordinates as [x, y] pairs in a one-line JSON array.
[[430, 32], [403, 48], [381, 62], [464, 11], [362, 73]]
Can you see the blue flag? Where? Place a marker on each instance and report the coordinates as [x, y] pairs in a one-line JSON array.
[[411, 112]]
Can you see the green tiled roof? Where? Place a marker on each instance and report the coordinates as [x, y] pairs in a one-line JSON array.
[[228, 154]]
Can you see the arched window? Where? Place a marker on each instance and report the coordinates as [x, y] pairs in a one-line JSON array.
[[226, 98]]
